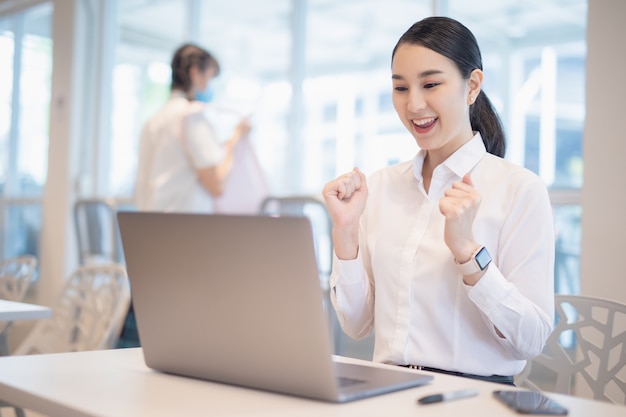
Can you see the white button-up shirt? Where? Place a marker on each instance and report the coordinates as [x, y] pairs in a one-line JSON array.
[[175, 142], [405, 286]]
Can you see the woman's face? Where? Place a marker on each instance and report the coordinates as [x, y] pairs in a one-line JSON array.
[[201, 79], [432, 99]]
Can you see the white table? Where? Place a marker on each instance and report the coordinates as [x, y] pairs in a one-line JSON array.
[[11, 311], [114, 383]]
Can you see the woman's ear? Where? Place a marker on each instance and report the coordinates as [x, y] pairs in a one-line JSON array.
[[475, 83], [194, 75]]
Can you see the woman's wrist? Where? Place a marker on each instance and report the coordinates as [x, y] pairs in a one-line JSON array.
[[346, 242], [464, 254]]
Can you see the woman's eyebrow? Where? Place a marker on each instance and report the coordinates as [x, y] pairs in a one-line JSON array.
[[420, 75], [429, 72]]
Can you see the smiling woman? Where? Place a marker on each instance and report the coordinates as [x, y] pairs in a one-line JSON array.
[[452, 235]]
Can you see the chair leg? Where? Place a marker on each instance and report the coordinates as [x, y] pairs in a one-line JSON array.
[[4, 340], [4, 345], [19, 412]]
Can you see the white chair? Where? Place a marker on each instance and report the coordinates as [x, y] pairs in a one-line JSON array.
[[88, 314], [15, 277], [586, 352]]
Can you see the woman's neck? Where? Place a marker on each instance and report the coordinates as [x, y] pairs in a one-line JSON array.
[[188, 95], [434, 158], [427, 171]]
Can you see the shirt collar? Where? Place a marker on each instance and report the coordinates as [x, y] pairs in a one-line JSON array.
[[460, 162]]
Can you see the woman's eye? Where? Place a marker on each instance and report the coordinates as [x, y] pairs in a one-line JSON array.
[[431, 85], [398, 88]]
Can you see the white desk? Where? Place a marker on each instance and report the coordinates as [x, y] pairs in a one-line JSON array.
[[13, 311], [117, 383]]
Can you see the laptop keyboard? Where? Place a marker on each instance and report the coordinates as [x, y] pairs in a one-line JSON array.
[[345, 381]]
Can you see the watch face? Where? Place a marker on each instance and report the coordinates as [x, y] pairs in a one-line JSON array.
[[483, 258]]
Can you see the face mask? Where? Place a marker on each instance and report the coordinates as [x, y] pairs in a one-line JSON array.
[[204, 96]]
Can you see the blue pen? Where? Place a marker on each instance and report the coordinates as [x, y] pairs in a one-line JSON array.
[[448, 396]]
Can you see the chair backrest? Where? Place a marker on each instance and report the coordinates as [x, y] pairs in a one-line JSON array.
[[97, 232], [87, 315], [15, 276], [586, 352], [316, 211]]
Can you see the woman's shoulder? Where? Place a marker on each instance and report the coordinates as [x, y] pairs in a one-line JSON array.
[[506, 168], [510, 178]]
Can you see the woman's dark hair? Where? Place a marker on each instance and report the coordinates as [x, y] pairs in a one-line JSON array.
[[186, 57], [451, 39]]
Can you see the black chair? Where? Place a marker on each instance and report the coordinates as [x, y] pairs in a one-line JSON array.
[[97, 232]]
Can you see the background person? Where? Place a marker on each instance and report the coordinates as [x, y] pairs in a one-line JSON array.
[[183, 165]]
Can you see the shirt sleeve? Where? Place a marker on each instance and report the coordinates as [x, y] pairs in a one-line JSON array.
[[352, 297], [516, 293], [202, 145]]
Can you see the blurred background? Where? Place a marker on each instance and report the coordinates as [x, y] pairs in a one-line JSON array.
[[79, 78]]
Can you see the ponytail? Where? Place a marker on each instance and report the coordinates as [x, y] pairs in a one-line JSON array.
[[484, 119]]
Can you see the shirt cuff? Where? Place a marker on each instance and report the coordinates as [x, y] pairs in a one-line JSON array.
[[490, 290], [350, 270]]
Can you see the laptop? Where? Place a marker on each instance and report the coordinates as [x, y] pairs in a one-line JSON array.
[[237, 299]]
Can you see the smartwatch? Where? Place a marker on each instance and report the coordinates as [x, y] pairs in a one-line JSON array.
[[478, 262]]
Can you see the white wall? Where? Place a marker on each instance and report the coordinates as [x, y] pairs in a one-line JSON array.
[[57, 227], [603, 259]]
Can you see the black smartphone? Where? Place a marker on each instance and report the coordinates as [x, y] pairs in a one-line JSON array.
[[530, 402]]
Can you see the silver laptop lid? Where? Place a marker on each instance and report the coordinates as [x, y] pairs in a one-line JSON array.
[[233, 299]]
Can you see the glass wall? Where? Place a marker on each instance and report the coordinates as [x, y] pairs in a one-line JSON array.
[[349, 119], [313, 75], [534, 56], [145, 36], [314, 78], [25, 74], [255, 51]]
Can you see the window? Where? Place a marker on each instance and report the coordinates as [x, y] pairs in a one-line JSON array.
[[535, 75], [348, 62], [314, 76], [26, 54], [147, 35]]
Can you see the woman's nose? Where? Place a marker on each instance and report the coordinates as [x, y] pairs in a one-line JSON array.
[[415, 102]]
